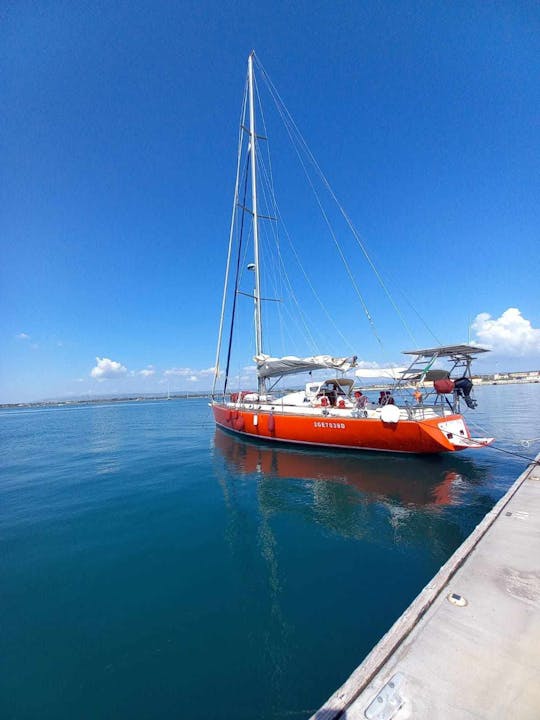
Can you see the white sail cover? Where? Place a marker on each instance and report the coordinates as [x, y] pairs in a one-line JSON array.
[[271, 367]]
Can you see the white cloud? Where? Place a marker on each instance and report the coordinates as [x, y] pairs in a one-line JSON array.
[[193, 378], [147, 372], [107, 368], [511, 334], [380, 372], [189, 372], [181, 372], [22, 336]]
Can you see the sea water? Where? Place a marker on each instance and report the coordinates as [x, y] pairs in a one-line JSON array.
[[155, 567]]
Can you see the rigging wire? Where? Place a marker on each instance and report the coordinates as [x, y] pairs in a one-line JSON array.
[[303, 270], [267, 176], [305, 330], [422, 319], [235, 296], [331, 229], [308, 336], [283, 111], [231, 237]]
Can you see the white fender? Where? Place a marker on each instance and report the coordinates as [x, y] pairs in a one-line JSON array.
[[390, 414]]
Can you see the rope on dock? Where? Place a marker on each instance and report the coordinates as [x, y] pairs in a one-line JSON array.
[[532, 461], [525, 443]]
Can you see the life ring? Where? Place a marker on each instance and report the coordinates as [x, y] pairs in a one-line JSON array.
[[341, 403], [324, 401]]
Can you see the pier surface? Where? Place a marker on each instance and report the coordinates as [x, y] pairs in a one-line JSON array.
[[469, 645]]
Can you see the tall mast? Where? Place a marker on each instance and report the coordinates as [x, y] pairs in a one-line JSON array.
[[252, 143]]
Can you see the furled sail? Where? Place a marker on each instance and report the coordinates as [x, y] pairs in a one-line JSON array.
[[271, 367]]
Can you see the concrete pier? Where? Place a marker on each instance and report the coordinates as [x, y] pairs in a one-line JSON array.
[[469, 645]]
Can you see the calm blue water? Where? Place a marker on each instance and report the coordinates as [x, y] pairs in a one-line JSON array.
[[153, 567]]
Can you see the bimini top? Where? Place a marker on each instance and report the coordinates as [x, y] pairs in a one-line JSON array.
[[272, 367], [448, 351]]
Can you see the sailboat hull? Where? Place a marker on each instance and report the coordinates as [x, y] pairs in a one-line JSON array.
[[405, 436]]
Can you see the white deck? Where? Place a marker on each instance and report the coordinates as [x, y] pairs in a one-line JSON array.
[[413, 413]]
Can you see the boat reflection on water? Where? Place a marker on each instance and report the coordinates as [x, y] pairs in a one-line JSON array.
[[394, 479], [301, 521]]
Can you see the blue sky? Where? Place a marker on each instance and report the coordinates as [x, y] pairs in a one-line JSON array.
[[118, 142]]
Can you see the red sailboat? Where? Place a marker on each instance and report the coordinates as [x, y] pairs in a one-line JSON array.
[[421, 413]]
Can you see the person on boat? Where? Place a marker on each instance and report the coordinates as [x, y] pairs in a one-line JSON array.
[[328, 391], [417, 395], [360, 400], [331, 393], [462, 388]]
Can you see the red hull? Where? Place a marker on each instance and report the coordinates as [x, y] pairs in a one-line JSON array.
[[406, 436]]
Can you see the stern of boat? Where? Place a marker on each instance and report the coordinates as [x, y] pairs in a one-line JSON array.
[[457, 435]]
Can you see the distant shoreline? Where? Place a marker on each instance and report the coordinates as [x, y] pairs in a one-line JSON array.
[[103, 400], [207, 395]]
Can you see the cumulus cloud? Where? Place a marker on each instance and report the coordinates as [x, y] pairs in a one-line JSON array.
[[189, 372], [367, 364], [106, 368], [510, 334], [180, 372], [22, 336], [147, 372]]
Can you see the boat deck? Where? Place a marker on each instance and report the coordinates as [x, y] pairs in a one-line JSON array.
[[420, 412], [469, 645]]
